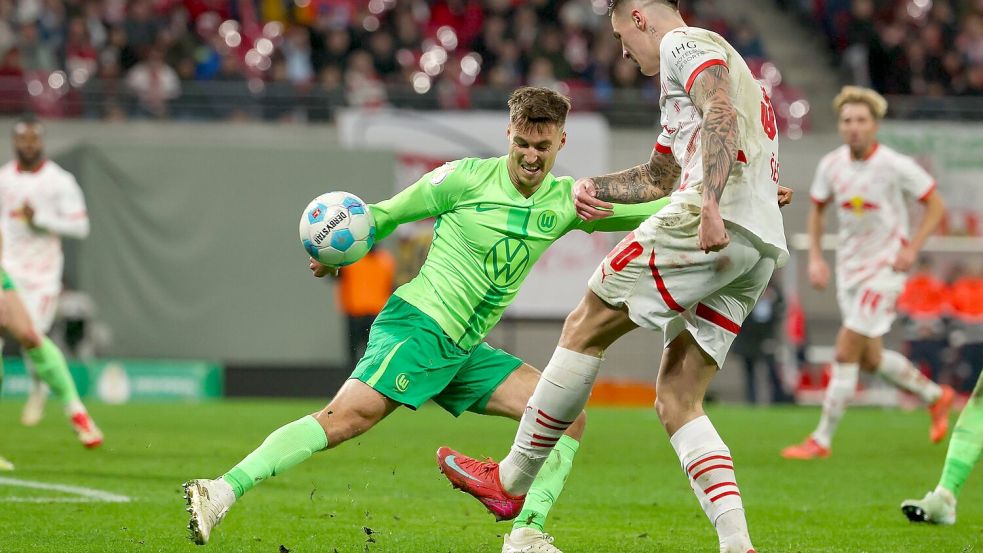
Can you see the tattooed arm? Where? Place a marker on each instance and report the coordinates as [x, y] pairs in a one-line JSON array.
[[642, 183], [711, 96]]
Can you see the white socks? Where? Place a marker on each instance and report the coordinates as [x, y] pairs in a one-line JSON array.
[[708, 465], [559, 398], [840, 391], [898, 370]]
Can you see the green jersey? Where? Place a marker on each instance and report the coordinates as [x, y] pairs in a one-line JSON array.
[[486, 239]]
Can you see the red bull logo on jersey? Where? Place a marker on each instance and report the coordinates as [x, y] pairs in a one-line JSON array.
[[858, 205]]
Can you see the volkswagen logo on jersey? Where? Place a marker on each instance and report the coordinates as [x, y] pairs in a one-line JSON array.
[[507, 261]]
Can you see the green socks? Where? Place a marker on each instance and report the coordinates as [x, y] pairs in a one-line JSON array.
[[285, 448], [548, 485], [50, 365], [965, 445]]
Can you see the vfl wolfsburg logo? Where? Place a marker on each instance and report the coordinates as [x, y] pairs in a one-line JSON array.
[[506, 261], [402, 382], [547, 220]]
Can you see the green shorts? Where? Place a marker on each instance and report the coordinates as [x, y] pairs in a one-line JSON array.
[[8, 284], [409, 359]]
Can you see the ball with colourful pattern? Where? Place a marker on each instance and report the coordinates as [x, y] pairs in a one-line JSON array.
[[337, 229]]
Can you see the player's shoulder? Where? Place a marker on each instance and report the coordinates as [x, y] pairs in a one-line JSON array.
[[838, 156], [51, 168], [8, 168], [885, 153], [692, 36]]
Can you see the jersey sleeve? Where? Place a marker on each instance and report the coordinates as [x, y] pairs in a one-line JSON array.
[[915, 181], [437, 192], [685, 54], [626, 217], [67, 216], [820, 191]]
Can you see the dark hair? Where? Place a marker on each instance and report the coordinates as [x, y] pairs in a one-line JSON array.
[[534, 106], [28, 119], [613, 4]]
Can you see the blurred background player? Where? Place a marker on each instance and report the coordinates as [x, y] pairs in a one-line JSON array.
[[759, 344], [41, 203], [364, 288], [495, 217], [870, 186], [966, 303], [939, 506], [923, 305], [694, 270]]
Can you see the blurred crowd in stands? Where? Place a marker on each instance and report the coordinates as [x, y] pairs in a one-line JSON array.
[[943, 321], [907, 47], [299, 59]]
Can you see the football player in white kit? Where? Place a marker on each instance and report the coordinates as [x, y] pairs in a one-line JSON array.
[[694, 270], [39, 204], [870, 186]]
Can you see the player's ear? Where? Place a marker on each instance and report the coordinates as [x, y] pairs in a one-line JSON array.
[[563, 140], [638, 20]]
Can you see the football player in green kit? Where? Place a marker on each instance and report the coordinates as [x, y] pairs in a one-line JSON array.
[[494, 219]]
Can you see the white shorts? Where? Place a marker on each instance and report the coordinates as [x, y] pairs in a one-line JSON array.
[[40, 304], [868, 307], [667, 283]]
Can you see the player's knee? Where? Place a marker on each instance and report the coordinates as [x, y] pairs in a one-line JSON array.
[[341, 425], [870, 364], [845, 355], [29, 340]]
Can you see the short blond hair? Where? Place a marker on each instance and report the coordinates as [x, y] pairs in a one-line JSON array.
[[861, 95]]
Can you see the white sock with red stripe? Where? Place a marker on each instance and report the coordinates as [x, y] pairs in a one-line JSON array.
[[898, 370], [559, 398], [708, 465], [839, 392]]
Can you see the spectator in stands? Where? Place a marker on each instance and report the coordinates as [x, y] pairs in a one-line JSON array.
[[923, 306], [363, 289], [758, 343], [966, 298], [154, 83]]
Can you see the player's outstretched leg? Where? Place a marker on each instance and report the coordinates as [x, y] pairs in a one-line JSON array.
[[353, 411], [528, 533], [898, 370], [840, 390], [50, 365], [965, 448]]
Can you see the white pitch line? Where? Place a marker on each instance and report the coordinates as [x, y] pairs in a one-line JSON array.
[[87, 493], [16, 499]]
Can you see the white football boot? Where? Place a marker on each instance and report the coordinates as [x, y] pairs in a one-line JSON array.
[[937, 507], [208, 501], [5, 464], [529, 540], [37, 396]]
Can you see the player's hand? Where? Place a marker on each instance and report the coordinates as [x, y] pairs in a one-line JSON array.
[[585, 201], [904, 261], [784, 196], [28, 213], [818, 273], [713, 235], [321, 270]]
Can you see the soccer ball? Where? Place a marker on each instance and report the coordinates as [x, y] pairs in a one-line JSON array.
[[337, 229]]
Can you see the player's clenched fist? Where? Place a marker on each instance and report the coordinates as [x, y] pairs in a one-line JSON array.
[[784, 196], [588, 207], [321, 270], [818, 272], [713, 235]]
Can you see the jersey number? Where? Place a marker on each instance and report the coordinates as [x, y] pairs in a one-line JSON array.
[[624, 257], [768, 121]]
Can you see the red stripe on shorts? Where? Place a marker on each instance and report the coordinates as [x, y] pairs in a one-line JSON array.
[[661, 285], [723, 322]]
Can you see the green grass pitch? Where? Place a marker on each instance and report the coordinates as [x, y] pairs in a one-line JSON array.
[[626, 493]]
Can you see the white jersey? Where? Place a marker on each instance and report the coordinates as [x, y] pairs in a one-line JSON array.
[[750, 199], [33, 256], [871, 197]]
